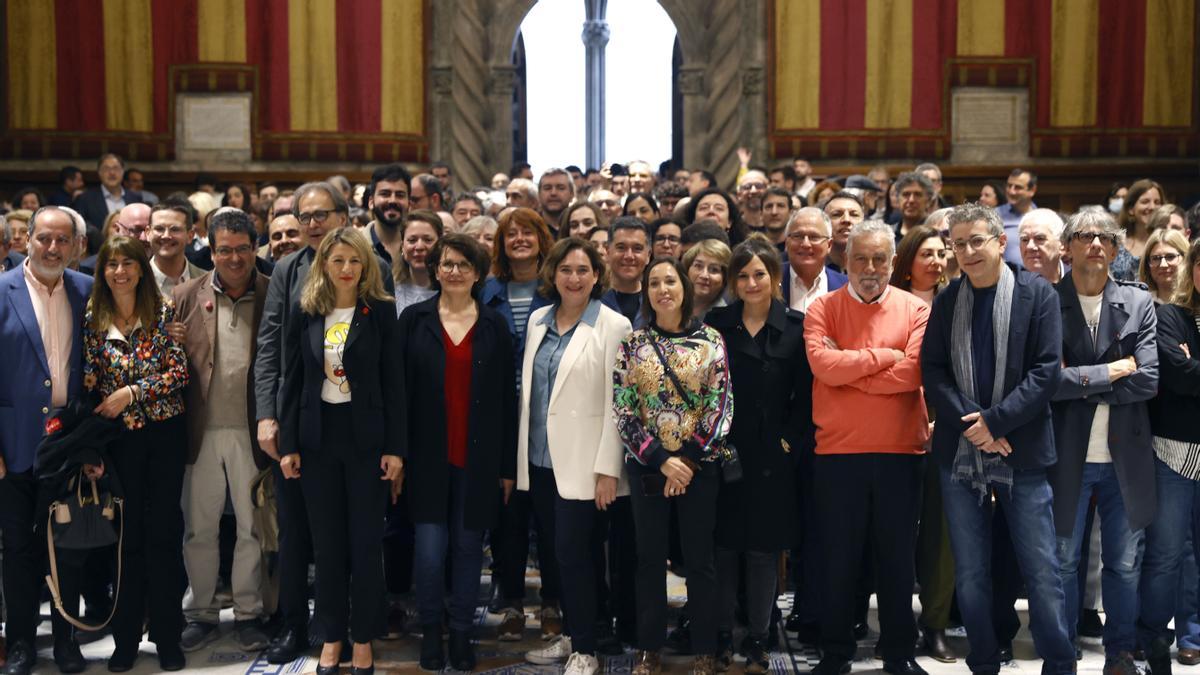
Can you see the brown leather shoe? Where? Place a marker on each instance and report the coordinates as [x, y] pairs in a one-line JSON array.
[[1188, 657], [704, 664], [646, 663], [936, 647]]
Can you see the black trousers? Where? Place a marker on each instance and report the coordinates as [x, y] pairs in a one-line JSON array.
[[295, 551], [149, 462], [861, 498], [761, 575], [537, 502], [398, 548], [575, 522], [614, 539], [346, 502], [23, 521], [697, 521]]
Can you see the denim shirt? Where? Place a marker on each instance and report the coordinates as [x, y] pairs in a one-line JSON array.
[[545, 371]]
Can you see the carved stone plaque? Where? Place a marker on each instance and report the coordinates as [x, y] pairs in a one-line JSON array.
[[213, 126], [989, 125]]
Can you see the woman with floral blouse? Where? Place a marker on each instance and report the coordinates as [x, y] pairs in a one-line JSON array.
[[673, 407], [137, 372]]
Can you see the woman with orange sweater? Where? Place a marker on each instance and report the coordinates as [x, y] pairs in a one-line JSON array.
[[864, 345]]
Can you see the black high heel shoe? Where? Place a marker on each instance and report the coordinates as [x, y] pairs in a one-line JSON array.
[[366, 670]]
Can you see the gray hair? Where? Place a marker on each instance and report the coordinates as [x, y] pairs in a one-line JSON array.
[[524, 185], [871, 228], [339, 200], [1088, 218], [233, 221], [1047, 217], [478, 224], [340, 182], [935, 219], [811, 211], [906, 179], [973, 212], [5, 231], [928, 166], [80, 225]]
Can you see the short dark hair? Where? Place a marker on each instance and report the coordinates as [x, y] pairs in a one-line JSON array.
[[757, 246], [441, 165], [705, 229], [653, 203], [737, 229], [706, 176], [571, 168], [68, 172], [846, 194], [205, 179], [467, 197], [628, 223], [16, 199], [689, 292], [179, 206], [1016, 173], [431, 184], [788, 171], [467, 247], [233, 221], [657, 223], [114, 156], [670, 189], [561, 249], [775, 191], [131, 170], [394, 173]]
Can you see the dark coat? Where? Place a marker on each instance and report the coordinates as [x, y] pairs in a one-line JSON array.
[[1174, 412], [836, 280], [374, 368], [772, 391], [12, 261], [492, 423], [1022, 416], [1127, 328], [93, 207]]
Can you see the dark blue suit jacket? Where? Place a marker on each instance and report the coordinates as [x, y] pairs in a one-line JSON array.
[[94, 209], [1022, 416], [609, 300], [836, 281], [25, 377]]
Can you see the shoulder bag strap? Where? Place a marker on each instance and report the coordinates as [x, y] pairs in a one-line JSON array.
[[52, 578]]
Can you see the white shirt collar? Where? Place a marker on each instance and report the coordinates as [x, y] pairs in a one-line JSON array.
[[802, 296]]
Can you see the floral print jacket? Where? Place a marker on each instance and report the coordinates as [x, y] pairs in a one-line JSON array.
[[653, 419], [147, 357]]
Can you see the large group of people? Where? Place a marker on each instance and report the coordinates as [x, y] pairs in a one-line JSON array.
[[642, 370]]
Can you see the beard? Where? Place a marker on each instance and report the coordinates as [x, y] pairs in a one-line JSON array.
[[380, 217]]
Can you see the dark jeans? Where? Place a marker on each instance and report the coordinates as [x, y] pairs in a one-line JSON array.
[[762, 572], [1121, 553], [23, 521], [466, 555], [1028, 509], [697, 522], [868, 497], [149, 463], [537, 502], [1167, 539], [295, 551], [614, 538], [346, 504], [1006, 581], [575, 522]]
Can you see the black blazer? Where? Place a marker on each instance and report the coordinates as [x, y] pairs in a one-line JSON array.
[[772, 394], [375, 370], [1173, 413], [492, 423], [1034, 353], [92, 206]]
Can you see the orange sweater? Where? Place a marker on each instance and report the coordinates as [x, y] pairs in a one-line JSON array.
[[863, 399]]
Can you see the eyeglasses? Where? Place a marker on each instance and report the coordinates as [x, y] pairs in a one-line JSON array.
[[225, 251], [1169, 258], [1039, 240], [175, 231], [975, 243], [1089, 237], [667, 239], [320, 215], [461, 266], [814, 239], [746, 187]]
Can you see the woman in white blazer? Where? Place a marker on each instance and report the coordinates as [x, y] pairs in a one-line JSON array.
[[568, 442]]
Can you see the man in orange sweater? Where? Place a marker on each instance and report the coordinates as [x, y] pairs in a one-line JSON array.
[[864, 346]]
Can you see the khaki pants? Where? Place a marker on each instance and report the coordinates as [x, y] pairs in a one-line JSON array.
[[225, 458]]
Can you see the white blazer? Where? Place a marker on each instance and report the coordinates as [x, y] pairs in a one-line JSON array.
[[581, 429]]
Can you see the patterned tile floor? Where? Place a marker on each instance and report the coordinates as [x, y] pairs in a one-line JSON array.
[[506, 658]]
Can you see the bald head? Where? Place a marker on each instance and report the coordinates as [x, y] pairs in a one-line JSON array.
[[133, 221]]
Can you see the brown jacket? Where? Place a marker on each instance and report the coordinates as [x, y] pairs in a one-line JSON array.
[[195, 304]]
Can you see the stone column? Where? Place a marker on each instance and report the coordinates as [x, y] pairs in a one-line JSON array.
[[595, 40], [695, 117], [500, 86]]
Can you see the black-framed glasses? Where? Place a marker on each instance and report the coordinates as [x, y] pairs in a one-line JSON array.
[[320, 215], [1088, 237], [976, 242], [666, 239]]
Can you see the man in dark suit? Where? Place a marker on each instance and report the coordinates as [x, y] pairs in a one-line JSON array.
[[845, 210], [133, 221], [319, 207], [806, 276], [70, 184], [1102, 428], [41, 329], [95, 204], [990, 362]]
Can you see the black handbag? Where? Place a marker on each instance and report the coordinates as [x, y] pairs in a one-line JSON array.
[[730, 462], [83, 518]]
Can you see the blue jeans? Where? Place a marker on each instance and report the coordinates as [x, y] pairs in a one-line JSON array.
[[1120, 554], [1166, 543], [432, 541], [1028, 509]]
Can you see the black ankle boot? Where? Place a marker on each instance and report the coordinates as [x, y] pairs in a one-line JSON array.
[[432, 656], [462, 653]]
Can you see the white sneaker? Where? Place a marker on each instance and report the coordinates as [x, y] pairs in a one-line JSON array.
[[582, 664], [556, 651]]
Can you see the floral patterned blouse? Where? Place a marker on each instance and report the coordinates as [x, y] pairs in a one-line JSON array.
[[148, 358], [653, 419]]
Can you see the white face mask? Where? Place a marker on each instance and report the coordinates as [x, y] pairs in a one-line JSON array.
[[1115, 204]]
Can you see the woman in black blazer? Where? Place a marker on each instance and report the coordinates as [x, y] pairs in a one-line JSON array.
[[459, 366], [772, 426], [334, 419]]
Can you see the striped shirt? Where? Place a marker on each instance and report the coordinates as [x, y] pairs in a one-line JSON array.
[[1183, 457]]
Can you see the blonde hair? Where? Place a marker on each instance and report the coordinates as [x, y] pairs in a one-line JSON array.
[[1165, 235], [1186, 293], [318, 296]]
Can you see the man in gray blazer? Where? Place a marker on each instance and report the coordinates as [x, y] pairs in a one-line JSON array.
[[1102, 427]]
